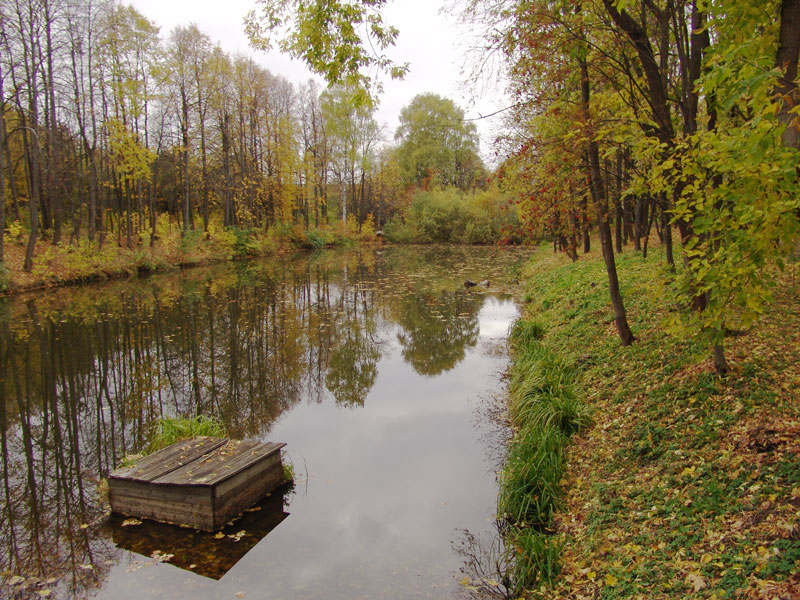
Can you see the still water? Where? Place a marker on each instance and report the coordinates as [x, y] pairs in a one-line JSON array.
[[377, 368]]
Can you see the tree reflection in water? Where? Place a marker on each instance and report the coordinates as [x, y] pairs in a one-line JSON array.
[[437, 329], [84, 372]]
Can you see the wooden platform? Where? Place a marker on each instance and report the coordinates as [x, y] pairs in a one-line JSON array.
[[203, 482]]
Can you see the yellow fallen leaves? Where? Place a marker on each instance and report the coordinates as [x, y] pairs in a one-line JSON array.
[[696, 580], [611, 581]]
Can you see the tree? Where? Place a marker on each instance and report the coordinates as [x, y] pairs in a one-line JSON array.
[[352, 133], [436, 145]]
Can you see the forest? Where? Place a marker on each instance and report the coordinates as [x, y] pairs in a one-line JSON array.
[[114, 133]]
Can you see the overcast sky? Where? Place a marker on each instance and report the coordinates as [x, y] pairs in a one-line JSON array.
[[433, 44]]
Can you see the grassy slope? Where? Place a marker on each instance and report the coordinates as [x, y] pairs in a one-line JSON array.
[[686, 485]]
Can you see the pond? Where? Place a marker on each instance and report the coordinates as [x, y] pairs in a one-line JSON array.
[[377, 367]]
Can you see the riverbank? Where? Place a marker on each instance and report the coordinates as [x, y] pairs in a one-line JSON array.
[[685, 485], [83, 261]]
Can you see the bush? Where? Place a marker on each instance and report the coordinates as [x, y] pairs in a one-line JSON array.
[[450, 215], [398, 231]]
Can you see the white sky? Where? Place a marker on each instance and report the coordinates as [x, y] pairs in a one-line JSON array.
[[433, 44]]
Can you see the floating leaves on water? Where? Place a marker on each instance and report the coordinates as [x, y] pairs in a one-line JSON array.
[[219, 536], [44, 593], [131, 521], [161, 556], [238, 535], [240, 594]]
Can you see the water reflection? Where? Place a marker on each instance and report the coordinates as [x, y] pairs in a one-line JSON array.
[[84, 372], [207, 554], [427, 319]]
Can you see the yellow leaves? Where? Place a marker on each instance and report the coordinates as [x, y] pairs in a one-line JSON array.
[[130, 522], [238, 535], [160, 556], [689, 472], [611, 581], [696, 581]]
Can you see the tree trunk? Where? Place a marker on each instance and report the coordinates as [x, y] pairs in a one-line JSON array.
[[2, 167], [599, 196], [786, 60]]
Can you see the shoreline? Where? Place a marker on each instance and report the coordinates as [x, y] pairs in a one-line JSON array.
[[685, 485]]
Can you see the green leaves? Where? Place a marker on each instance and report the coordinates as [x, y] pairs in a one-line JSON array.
[[436, 144], [342, 40]]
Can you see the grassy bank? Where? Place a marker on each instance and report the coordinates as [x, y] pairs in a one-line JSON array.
[[81, 261], [685, 485]]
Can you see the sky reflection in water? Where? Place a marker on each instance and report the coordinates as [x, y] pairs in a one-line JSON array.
[[389, 457]]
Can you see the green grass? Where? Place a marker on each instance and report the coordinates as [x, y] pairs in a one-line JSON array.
[[529, 483], [683, 484], [537, 559], [545, 408], [168, 430]]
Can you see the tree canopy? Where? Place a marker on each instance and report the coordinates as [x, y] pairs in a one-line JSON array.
[[436, 144]]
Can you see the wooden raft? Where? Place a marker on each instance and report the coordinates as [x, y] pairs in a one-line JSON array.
[[203, 482]]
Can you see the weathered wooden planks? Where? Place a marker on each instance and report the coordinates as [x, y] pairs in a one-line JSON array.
[[169, 459], [203, 482]]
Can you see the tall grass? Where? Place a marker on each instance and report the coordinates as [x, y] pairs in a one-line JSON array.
[[168, 430], [545, 408], [536, 561], [529, 490]]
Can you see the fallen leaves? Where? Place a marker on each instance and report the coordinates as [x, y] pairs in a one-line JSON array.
[[696, 581]]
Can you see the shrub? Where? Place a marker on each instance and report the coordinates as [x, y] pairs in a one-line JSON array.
[[449, 215], [398, 231], [244, 244]]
